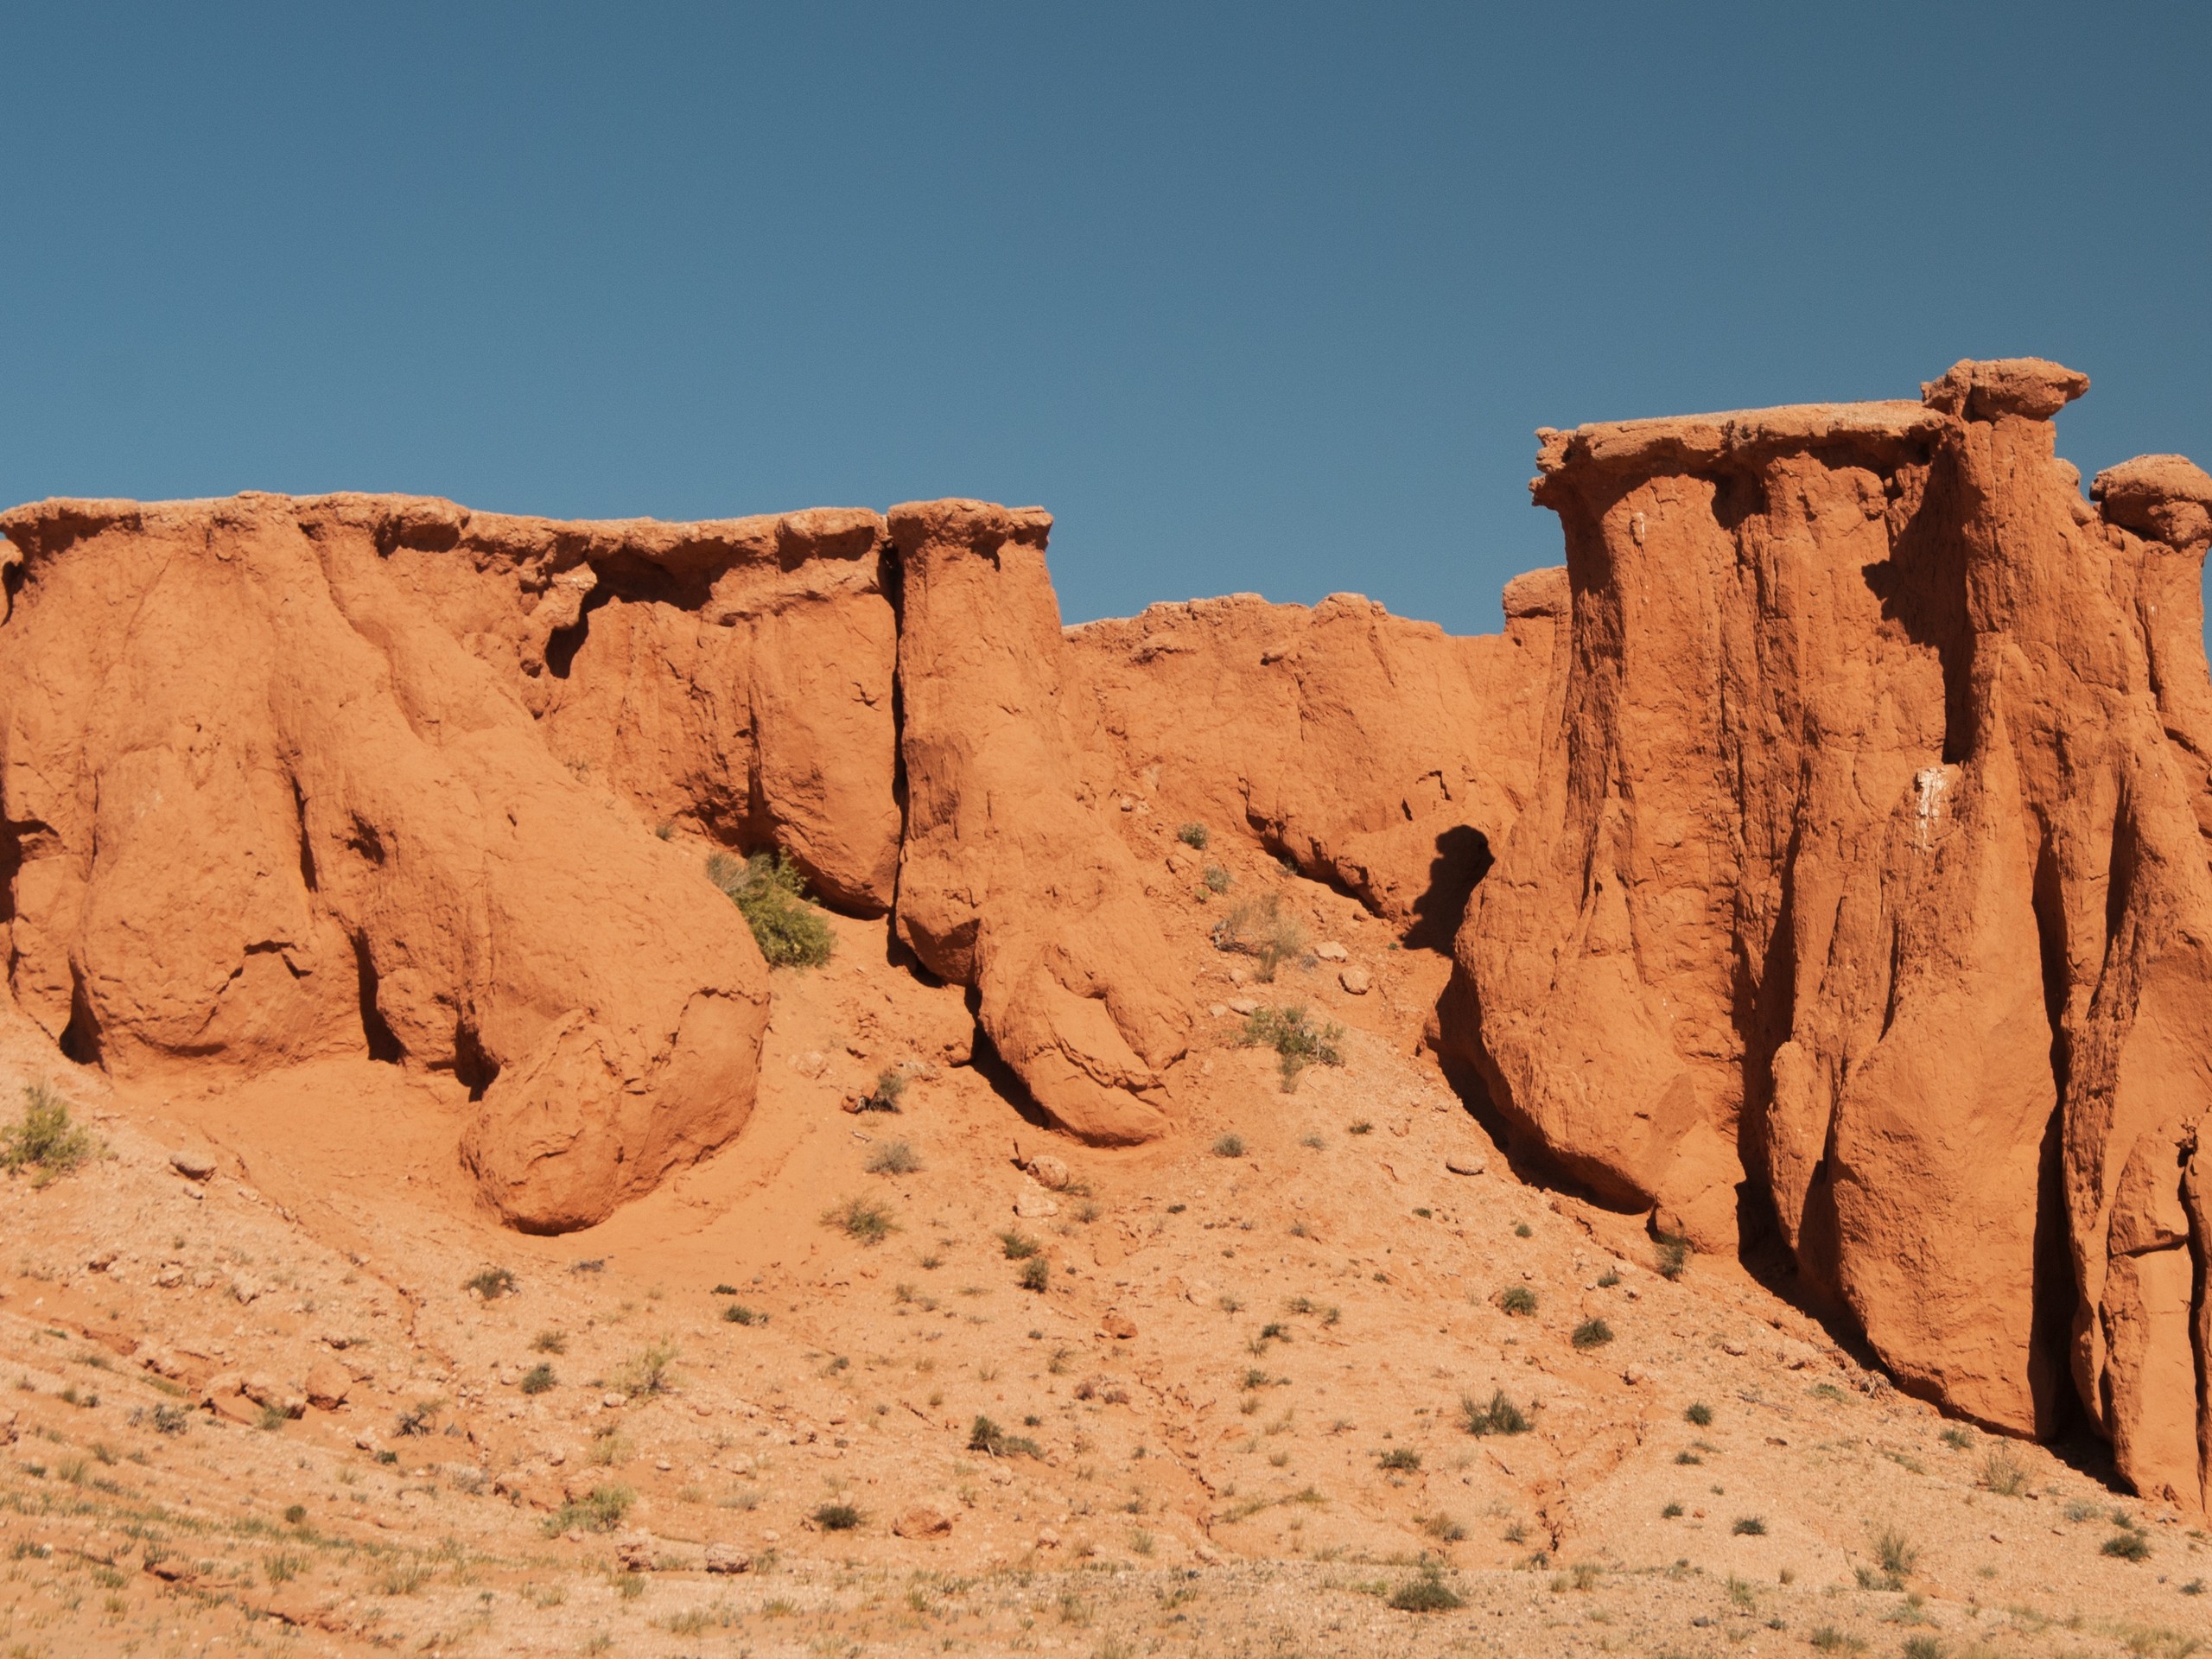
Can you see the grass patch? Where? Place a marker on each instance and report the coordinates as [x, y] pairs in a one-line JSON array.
[[770, 893], [862, 1219], [893, 1157], [602, 1510], [1297, 1041], [1499, 1416], [44, 1140], [1261, 929]]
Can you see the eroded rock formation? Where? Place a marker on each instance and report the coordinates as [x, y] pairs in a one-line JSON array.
[[1866, 888]]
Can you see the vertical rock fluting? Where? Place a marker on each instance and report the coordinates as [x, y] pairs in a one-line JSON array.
[[1865, 886], [1008, 880]]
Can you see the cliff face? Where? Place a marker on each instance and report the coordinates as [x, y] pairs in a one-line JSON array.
[[1835, 823], [1865, 892]]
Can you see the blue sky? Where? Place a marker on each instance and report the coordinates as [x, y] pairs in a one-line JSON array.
[[1254, 298]]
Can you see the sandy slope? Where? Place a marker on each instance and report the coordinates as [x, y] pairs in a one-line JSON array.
[[1232, 1354]]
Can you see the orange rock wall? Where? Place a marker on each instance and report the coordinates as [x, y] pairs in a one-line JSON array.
[[1864, 895]]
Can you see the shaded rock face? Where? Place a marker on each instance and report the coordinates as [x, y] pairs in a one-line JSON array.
[[261, 808], [1864, 891], [1384, 756]]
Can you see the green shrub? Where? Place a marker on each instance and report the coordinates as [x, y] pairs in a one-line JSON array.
[[537, 1379], [862, 1218], [492, 1283], [43, 1138], [1592, 1333], [1297, 1041], [1193, 835], [769, 892], [601, 1510], [987, 1437], [1426, 1594], [1518, 1300], [893, 1157], [1261, 928], [890, 1089], [1500, 1416]]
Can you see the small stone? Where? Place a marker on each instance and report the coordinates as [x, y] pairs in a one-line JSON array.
[[194, 1165], [1330, 950], [1357, 981]]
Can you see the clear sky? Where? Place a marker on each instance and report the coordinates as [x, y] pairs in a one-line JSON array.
[[1264, 297]]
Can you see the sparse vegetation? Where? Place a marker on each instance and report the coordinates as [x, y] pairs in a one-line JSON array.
[[1193, 835], [1499, 1416], [987, 1437], [893, 1157], [1428, 1593], [44, 1140], [2004, 1473], [1592, 1333], [492, 1283], [1261, 929], [862, 1219], [890, 1089], [537, 1379], [600, 1510], [1297, 1041], [769, 892]]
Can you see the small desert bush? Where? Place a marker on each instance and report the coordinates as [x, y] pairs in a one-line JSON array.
[[1297, 1041], [43, 1139], [862, 1218], [893, 1157], [1426, 1594], [986, 1436], [600, 1510], [1261, 928], [890, 1089], [1193, 835], [537, 1379], [492, 1283], [650, 1371], [769, 893], [1500, 1416]]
